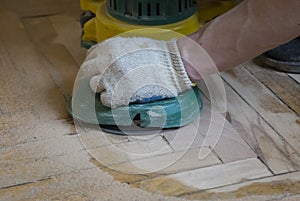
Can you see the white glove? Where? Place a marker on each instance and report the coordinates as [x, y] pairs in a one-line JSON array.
[[138, 69]]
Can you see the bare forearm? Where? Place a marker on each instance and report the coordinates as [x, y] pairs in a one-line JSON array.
[[249, 29]]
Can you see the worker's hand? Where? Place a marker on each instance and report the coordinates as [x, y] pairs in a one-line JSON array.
[[126, 70]]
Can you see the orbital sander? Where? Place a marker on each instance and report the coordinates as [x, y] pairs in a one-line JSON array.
[[105, 19]]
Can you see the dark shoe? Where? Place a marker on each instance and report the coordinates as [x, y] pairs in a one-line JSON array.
[[285, 58]]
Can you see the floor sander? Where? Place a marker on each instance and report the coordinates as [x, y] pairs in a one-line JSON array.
[[105, 19]]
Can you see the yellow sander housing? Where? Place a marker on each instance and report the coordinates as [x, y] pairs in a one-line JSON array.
[[104, 19]]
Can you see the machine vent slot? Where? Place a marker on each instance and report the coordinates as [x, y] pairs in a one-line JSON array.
[[150, 12], [148, 9], [179, 6], [115, 4], [157, 9], [140, 11]]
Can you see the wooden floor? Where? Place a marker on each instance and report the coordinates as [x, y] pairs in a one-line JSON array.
[[45, 155]]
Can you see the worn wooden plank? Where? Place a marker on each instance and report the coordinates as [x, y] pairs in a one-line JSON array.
[[128, 151], [69, 33], [35, 160], [287, 89], [41, 92], [293, 177], [35, 131], [96, 138], [230, 146], [36, 150], [172, 162], [285, 186], [272, 148], [223, 174], [296, 77], [276, 153], [291, 198], [32, 8], [206, 178], [21, 118], [274, 111], [63, 68], [61, 187], [18, 93], [87, 184], [224, 139], [39, 152], [31, 171], [10, 89]]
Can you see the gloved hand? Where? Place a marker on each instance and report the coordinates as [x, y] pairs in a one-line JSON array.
[[138, 69]]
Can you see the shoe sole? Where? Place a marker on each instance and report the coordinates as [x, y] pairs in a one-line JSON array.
[[285, 66]]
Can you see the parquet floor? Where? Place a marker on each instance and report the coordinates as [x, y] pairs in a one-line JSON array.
[[249, 150]]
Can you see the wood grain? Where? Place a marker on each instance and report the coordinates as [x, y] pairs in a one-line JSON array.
[[63, 68], [282, 119], [173, 162], [128, 151], [223, 139], [296, 77], [68, 31], [269, 188], [206, 178], [287, 89], [262, 138], [37, 85], [31, 8]]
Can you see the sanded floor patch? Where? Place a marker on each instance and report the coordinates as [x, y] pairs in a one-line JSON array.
[[277, 188]]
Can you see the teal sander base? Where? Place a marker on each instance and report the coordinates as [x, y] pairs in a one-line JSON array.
[[136, 118]]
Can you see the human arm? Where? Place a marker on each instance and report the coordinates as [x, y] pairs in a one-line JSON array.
[[246, 31]]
